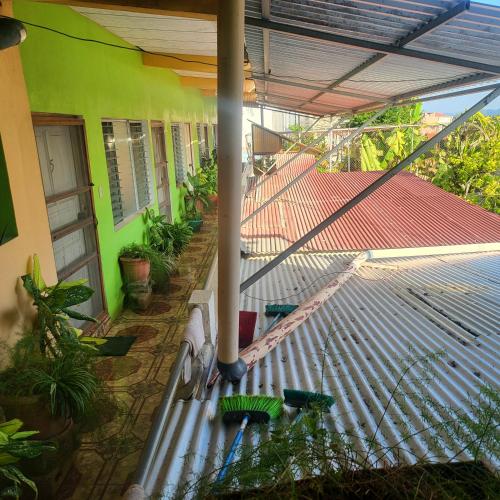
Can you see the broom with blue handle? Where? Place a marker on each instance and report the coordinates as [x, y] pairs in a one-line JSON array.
[[246, 410]]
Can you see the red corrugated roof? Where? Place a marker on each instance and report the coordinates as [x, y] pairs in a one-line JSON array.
[[405, 212]]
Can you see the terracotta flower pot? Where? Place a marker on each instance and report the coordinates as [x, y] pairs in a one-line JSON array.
[[135, 269], [200, 207], [213, 199], [34, 413]]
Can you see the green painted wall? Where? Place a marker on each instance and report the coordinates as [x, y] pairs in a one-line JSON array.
[[73, 77]]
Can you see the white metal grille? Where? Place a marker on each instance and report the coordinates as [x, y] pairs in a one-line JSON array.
[[128, 161], [179, 158]]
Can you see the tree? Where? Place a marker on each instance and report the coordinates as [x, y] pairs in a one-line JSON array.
[[384, 149], [467, 163], [393, 116]]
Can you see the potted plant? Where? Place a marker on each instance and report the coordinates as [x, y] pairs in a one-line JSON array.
[[14, 447], [54, 308], [198, 192], [135, 261], [208, 177], [179, 233], [137, 285], [50, 381], [194, 219]]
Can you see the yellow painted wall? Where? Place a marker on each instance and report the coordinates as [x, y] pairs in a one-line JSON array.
[[25, 179]]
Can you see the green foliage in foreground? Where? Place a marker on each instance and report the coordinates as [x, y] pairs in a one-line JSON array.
[[312, 460], [14, 446], [67, 381]]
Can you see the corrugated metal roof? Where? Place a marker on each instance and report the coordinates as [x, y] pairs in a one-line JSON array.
[[406, 212], [157, 33], [470, 35], [354, 348]]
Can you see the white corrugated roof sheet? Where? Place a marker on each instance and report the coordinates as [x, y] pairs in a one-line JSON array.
[[355, 347]]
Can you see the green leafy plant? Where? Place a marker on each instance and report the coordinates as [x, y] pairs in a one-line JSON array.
[[15, 446], [162, 264], [466, 163], [197, 196], [208, 172], [155, 232], [54, 307], [179, 233], [384, 149], [165, 237], [66, 381]]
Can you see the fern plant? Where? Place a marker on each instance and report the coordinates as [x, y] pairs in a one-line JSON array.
[[67, 381]]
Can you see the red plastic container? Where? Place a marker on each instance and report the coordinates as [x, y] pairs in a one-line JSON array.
[[248, 319]]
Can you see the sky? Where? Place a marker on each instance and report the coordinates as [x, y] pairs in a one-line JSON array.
[[457, 104]]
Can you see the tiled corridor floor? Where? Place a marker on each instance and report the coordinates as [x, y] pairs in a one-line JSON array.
[[108, 456]]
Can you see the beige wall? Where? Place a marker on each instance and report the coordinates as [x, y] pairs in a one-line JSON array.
[[25, 179]]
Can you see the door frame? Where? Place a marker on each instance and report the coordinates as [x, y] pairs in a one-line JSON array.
[[161, 124], [44, 119]]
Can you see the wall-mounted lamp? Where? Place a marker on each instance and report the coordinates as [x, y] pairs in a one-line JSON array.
[[12, 32]]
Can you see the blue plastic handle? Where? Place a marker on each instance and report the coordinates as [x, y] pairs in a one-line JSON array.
[[298, 417], [234, 446]]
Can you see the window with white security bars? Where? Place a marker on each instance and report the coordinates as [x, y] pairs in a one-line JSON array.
[[203, 144], [126, 144], [183, 152]]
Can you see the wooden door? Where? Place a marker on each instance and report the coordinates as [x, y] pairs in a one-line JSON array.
[[68, 197]]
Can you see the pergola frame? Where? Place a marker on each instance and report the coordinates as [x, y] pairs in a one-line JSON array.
[[297, 245]]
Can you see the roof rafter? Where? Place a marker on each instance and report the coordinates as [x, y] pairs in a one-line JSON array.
[[370, 45], [198, 9], [424, 28], [356, 95]]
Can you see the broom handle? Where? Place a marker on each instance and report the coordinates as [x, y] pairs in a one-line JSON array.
[[298, 417], [230, 456], [274, 321]]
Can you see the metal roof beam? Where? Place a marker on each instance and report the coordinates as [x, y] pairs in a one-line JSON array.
[[413, 35], [370, 189], [316, 164], [370, 45], [265, 8], [308, 86]]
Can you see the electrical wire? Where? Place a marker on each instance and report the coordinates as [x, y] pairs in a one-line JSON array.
[[325, 275], [135, 48]]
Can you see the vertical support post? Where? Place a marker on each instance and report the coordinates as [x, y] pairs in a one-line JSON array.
[[230, 39], [349, 157]]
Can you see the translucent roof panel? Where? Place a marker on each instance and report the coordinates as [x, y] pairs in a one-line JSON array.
[[357, 54]]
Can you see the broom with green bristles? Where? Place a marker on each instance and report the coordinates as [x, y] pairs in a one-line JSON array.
[[304, 400], [246, 410]]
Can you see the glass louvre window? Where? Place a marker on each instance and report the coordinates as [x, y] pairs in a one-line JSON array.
[[180, 152], [127, 157], [140, 160], [203, 145]]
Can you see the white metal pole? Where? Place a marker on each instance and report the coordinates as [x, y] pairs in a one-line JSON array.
[[230, 38]]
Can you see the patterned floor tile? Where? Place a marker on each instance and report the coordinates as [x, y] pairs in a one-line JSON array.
[[108, 456]]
